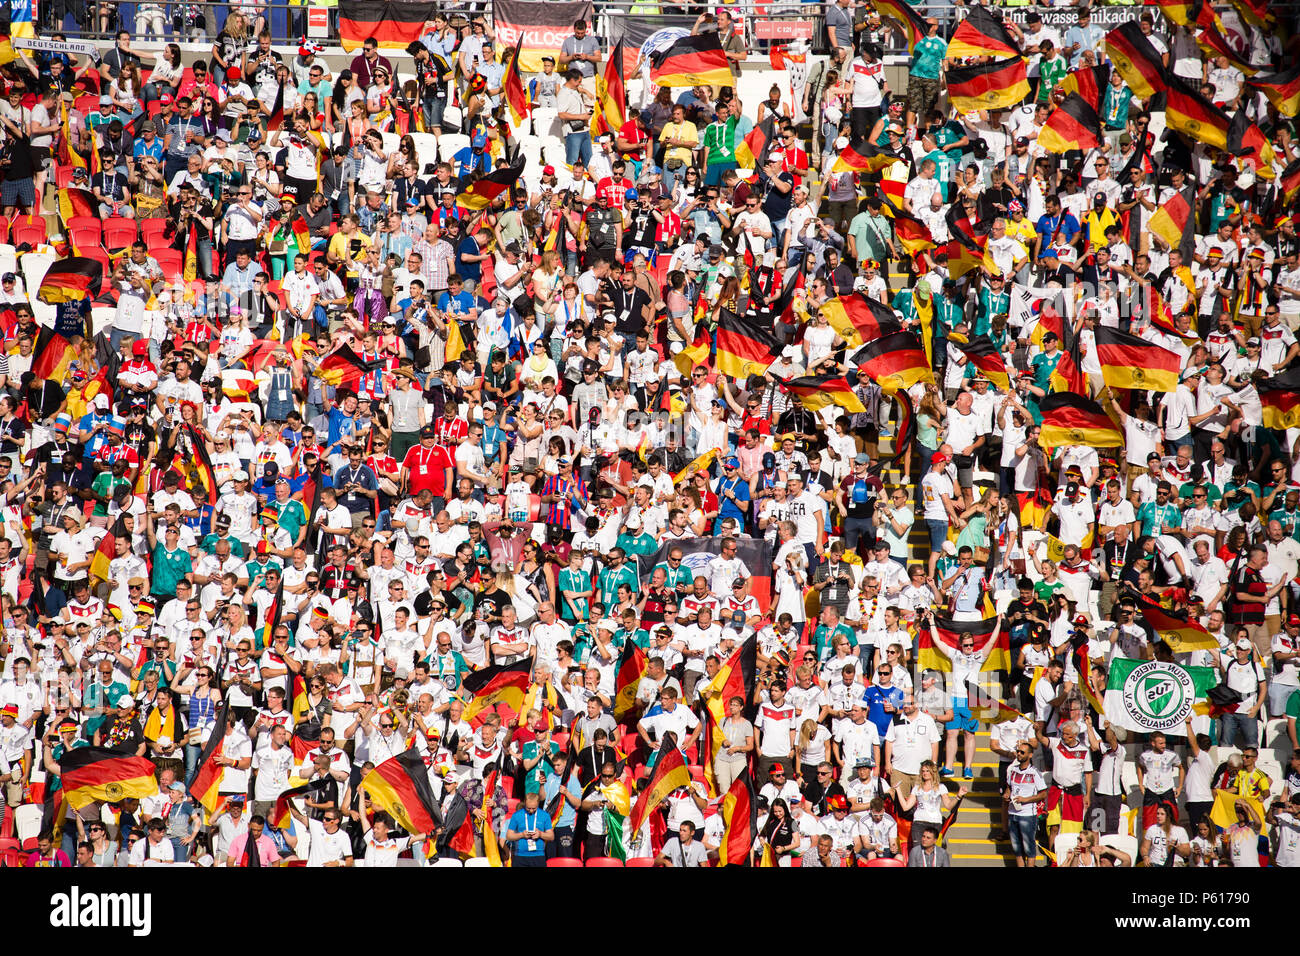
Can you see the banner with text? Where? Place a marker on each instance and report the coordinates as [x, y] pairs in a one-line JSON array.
[[543, 27]]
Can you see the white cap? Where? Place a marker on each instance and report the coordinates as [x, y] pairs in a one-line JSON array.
[[843, 141], [239, 475], [126, 700]]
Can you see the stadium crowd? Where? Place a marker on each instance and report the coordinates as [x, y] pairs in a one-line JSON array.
[[336, 453]]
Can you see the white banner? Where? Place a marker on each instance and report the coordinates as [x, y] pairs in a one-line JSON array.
[[73, 47]]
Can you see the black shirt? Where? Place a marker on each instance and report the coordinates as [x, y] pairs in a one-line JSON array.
[[629, 305]]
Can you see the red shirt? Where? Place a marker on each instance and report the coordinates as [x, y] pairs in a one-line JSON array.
[[670, 228], [632, 133], [427, 468], [792, 158], [449, 433], [614, 189]]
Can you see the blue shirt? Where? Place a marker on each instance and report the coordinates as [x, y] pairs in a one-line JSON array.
[[523, 820], [567, 814], [726, 507], [874, 697], [1063, 226], [468, 161], [154, 149], [464, 268], [458, 304]]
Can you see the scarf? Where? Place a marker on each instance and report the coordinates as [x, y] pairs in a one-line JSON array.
[[158, 726]]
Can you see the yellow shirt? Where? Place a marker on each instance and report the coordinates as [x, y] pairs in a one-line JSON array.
[[685, 131], [1097, 226], [338, 247], [1023, 231]]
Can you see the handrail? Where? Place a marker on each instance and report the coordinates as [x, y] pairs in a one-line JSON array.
[[197, 22]]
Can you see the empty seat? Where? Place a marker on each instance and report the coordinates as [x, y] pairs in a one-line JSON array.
[[562, 861], [604, 861], [640, 861], [449, 144]]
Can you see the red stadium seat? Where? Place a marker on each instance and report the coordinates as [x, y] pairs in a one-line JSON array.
[[30, 233], [640, 861], [170, 261], [62, 176], [562, 861], [76, 221], [882, 862], [152, 232], [118, 233], [87, 104], [84, 237], [4, 229], [604, 861]]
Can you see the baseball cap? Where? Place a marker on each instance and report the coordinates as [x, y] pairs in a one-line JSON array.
[[862, 458], [938, 457]]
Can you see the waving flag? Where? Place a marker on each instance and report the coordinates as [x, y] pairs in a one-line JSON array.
[[1128, 361], [1175, 221], [400, 785], [858, 318], [744, 347], [739, 821], [988, 86], [1136, 59], [895, 362], [861, 156], [984, 355], [480, 193], [1176, 628], [1282, 89], [692, 61], [90, 774], [1090, 82], [818, 391], [1070, 419], [1187, 111], [512, 88], [982, 34], [909, 21], [1073, 125]]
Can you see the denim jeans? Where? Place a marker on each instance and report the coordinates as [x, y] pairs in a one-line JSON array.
[[1231, 724], [938, 529], [577, 145]]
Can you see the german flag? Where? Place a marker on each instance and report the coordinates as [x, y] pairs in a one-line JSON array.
[[302, 235], [895, 362], [75, 201], [986, 708], [90, 774], [1290, 182], [1247, 140], [272, 621], [1074, 124], [104, 554], [988, 86], [984, 355], [1083, 666], [1189, 12], [53, 353], [1090, 82], [1034, 507], [207, 782], [611, 92], [691, 61], [909, 21], [71, 280], [512, 87], [739, 822], [947, 636], [484, 190], [670, 773], [306, 738], [393, 23], [1070, 419], [966, 246], [1174, 221], [861, 156], [67, 155], [982, 34], [1282, 89], [1190, 113], [400, 785], [1255, 12], [280, 816], [744, 347], [818, 391], [858, 318], [753, 148], [497, 683], [344, 367], [1176, 628], [1136, 59], [1280, 396], [627, 678], [207, 475], [1211, 40], [735, 678], [912, 234], [1128, 361]]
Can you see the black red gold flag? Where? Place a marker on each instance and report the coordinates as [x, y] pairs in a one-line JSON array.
[[996, 85], [739, 811], [982, 34], [1074, 124], [1070, 419], [393, 23], [1190, 113], [1280, 396], [1090, 82], [1175, 221], [497, 683], [480, 193], [984, 355], [1136, 59], [692, 61], [744, 346], [71, 280], [909, 21], [400, 785], [90, 774], [1282, 89], [895, 362], [858, 318], [861, 156], [1128, 361], [818, 391]]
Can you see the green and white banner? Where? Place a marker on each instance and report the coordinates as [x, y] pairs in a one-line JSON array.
[[1144, 696]]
